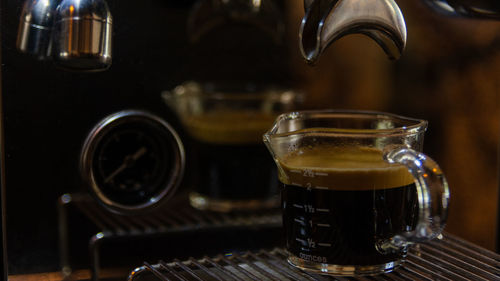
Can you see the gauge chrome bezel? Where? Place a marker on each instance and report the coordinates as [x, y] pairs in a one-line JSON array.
[[98, 133]]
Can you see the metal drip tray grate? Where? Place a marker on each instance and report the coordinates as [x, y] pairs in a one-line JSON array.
[[128, 240], [177, 216], [448, 258]]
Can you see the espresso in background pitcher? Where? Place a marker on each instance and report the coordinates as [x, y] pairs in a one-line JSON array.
[[233, 168]]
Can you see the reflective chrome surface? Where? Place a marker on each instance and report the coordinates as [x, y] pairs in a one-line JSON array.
[[488, 9], [207, 15], [328, 20], [154, 188], [82, 35], [35, 27]]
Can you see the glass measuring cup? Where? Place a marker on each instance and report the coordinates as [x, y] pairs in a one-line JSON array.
[[356, 190], [234, 171]]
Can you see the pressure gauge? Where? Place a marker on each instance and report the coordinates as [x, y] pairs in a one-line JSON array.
[[132, 161]]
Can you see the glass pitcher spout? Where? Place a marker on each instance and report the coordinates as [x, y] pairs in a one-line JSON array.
[[326, 21]]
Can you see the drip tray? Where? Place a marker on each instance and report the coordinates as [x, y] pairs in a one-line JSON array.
[[446, 258], [93, 238]]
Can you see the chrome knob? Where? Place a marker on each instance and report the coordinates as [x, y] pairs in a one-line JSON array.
[[35, 28], [82, 35]]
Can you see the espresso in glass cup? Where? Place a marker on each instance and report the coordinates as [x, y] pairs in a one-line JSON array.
[[234, 171], [356, 191]]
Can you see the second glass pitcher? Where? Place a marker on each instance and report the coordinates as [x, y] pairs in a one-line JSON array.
[[233, 168]]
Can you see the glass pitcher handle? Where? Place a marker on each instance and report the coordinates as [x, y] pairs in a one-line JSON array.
[[432, 192]]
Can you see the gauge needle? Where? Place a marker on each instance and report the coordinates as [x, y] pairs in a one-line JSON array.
[[128, 161]]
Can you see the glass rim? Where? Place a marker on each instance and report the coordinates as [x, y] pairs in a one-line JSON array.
[[267, 94], [414, 126], [192, 89]]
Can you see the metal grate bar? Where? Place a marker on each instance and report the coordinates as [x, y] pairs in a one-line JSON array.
[[203, 268], [223, 269], [181, 220], [362, 278], [187, 269], [441, 260], [212, 220], [189, 217], [408, 275], [242, 270], [416, 273], [427, 267], [172, 271], [105, 223], [470, 258], [112, 226], [278, 269], [168, 220], [255, 267], [130, 224], [226, 217], [193, 217], [142, 224], [472, 248], [392, 276], [461, 265], [88, 213], [479, 255], [156, 272], [155, 223], [431, 265]]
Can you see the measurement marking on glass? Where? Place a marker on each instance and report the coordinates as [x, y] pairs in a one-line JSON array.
[[325, 244], [301, 240], [323, 224], [297, 184], [321, 187], [321, 174], [296, 171], [323, 210], [298, 206], [299, 221]]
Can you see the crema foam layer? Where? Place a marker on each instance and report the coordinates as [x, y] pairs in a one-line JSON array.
[[229, 127], [342, 168]]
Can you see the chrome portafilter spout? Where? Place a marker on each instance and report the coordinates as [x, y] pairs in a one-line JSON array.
[[82, 35], [76, 34], [326, 21], [35, 28], [207, 15], [483, 9]]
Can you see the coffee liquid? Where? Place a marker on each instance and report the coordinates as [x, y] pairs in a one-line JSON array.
[[233, 163], [339, 203]]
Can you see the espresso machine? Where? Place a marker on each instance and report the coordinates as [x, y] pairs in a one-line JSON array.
[[89, 66], [76, 71]]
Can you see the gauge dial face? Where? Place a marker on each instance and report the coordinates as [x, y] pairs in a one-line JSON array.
[[132, 162]]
